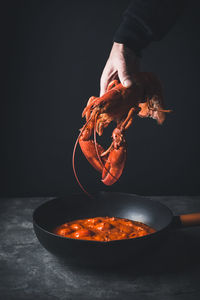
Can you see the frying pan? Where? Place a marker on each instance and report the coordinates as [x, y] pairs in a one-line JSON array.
[[83, 252]]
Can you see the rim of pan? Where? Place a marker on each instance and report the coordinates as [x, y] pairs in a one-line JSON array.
[[103, 242]]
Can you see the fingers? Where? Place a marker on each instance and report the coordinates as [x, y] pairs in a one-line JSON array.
[[122, 64], [103, 85], [107, 76], [120, 73], [124, 77], [104, 79]]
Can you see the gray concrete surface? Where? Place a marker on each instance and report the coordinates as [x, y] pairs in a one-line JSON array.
[[28, 271]]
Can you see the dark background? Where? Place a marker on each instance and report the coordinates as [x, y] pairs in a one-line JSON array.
[[54, 53]]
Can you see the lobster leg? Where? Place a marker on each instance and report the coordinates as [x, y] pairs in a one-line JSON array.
[[112, 84], [91, 100], [129, 119], [111, 95]]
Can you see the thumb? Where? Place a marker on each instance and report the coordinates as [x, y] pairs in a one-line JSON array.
[[124, 76]]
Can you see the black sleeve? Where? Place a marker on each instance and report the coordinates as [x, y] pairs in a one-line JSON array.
[[147, 20]]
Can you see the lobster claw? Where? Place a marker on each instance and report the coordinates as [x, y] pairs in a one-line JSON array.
[[111, 162], [89, 150], [116, 159], [114, 165]]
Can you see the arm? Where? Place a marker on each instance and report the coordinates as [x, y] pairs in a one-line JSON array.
[[143, 22]]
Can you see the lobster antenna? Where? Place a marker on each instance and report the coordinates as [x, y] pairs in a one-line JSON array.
[[161, 110], [96, 148], [73, 160]]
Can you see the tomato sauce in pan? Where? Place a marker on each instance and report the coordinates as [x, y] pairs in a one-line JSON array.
[[103, 229]]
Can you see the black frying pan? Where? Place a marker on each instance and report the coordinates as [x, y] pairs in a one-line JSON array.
[[133, 207]]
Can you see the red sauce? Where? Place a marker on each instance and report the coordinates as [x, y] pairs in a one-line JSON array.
[[103, 229]]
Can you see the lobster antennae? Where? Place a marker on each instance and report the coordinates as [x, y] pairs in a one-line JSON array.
[[161, 110], [73, 160]]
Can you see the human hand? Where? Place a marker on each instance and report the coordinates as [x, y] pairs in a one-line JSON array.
[[121, 64]]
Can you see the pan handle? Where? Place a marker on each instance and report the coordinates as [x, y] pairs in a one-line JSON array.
[[187, 220], [190, 219]]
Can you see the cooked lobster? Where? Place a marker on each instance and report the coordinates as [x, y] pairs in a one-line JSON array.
[[144, 98]]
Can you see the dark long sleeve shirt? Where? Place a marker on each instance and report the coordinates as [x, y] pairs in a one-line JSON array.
[[147, 20]]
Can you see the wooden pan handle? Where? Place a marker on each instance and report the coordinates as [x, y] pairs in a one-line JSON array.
[[190, 219]]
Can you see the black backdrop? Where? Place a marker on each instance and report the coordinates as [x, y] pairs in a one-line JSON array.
[[54, 53]]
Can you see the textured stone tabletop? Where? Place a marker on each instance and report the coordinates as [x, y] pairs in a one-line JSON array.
[[28, 271]]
